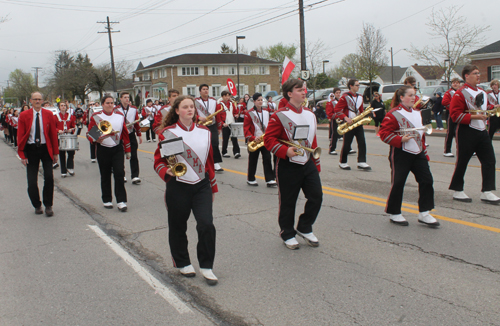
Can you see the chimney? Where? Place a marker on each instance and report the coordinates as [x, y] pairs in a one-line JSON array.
[[253, 54], [416, 64]]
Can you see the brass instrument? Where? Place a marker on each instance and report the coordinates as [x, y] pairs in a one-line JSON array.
[[105, 127], [209, 118], [305, 103], [178, 169], [253, 145], [419, 101], [316, 153], [128, 125], [356, 122], [427, 129], [490, 113]]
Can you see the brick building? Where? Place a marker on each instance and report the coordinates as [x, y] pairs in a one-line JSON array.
[[186, 72], [487, 59]]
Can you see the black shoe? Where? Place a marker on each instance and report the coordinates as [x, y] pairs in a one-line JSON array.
[[39, 210], [48, 211], [55, 166]]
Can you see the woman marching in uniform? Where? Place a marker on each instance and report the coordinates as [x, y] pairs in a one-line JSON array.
[[65, 124], [189, 144], [407, 153], [255, 124], [109, 152]]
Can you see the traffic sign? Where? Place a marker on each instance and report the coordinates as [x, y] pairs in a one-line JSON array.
[[231, 86], [305, 75]]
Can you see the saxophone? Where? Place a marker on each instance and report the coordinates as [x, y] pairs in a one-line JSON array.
[[356, 122]]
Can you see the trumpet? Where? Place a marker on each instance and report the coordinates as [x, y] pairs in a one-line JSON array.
[[128, 125], [356, 122], [178, 169], [316, 153], [209, 118], [253, 145], [427, 129], [420, 101], [490, 113]]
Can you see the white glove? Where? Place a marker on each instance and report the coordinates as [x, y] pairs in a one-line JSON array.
[[128, 155]]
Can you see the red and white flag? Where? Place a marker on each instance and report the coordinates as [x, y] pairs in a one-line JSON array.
[[287, 70]]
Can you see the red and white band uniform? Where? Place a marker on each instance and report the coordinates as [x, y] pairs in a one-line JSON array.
[[282, 103], [472, 137], [225, 119], [451, 126], [271, 107], [406, 157], [110, 155], [132, 114], [256, 121], [332, 118], [350, 105], [205, 107], [297, 172], [494, 121], [14, 124], [66, 124], [193, 192], [159, 116], [242, 110], [150, 112]]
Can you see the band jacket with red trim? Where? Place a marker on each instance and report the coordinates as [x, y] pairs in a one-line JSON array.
[[342, 108], [145, 114], [14, 121], [242, 108], [493, 97], [221, 117], [71, 124], [136, 126], [161, 164], [388, 127], [448, 95], [458, 106], [276, 131], [330, 108], [249, 126], [282, 103], [49, 131], [123, 136]]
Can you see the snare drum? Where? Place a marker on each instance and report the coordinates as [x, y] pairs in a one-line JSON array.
[[68, 142], [237, 129], [144, 125]]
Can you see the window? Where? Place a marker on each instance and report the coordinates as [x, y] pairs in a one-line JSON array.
[[262, 70], [215, 90], [155, 74], [409, 73], [190, 71], [215, 71], [163, 73], [191, 90], [241, 90], [231, 71], [495, 72], [430, 83], [247, 70], [262, 88], [147, 76]]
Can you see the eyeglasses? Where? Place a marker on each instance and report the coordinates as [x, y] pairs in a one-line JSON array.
[[476, 73], [36, 99], [357, 85]]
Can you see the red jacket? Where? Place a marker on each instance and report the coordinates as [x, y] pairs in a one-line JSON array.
[[458, 106], [221, 117], [342, 109], [330, 108], [49, 131], [282, 103], [447, 98], [71, 124]]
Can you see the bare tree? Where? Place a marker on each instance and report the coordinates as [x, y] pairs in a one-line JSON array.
[[456, 39], [102, 76], [316, 52], [371, 53]]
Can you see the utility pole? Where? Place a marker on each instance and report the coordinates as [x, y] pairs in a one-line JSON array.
[[392, 66], [108, 28], [303, 65], [36, 74]]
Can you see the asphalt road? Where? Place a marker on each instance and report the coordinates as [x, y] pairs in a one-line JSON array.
[[367, 271]]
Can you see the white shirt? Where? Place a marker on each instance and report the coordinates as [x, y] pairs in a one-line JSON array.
[[31, 139]]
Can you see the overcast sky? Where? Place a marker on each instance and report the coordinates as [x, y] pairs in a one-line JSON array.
[[156, 29]]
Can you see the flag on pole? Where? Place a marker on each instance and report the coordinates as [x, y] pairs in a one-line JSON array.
[[287, 70]]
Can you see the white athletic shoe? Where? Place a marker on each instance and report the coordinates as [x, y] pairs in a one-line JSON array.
[[93, 160], [125, 179], [71, 172], [226, 155], [218, 168], [461, 196], [154, 140], [108, 205], [136, 181], [292, 244], [272, 184], [310, 238], [364, 166], [187, 271], [149, 140], [426, 218], [333, 153], [448, 154], [252, 183], [209, 276], [122, 207], [344, 166], [398, 219], [490, 198], [63, 175]]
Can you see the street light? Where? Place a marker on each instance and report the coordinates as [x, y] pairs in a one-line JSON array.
[[238, 63], [324, 61]]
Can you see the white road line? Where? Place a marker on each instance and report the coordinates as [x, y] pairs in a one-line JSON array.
[[161, 289]]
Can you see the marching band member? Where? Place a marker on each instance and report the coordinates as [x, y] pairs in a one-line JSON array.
[[194, 191], [79, 118], [5, 125], [347, 108], [226, 118], [38, 142], [205, 106], [256, 121], [162, 113], [333, 99], [412, 82], [86, 118], [148, 112], [295, 172], [472, 137], [271, 107], [450, 125], [494, 99], [9, 121], [14, 122], [407, 153], [110, 151], [242, 109], [131, 115], [65, 123]]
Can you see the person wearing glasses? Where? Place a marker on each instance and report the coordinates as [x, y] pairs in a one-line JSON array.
[[472, 136], [349, 106]]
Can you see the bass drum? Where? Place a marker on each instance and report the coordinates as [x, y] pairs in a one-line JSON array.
[[68, 142], [237, 129]]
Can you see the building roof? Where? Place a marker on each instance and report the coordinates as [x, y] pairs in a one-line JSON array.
[[492, 48], [210, 58], [140, 66], [386, 73], [429, 72]]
